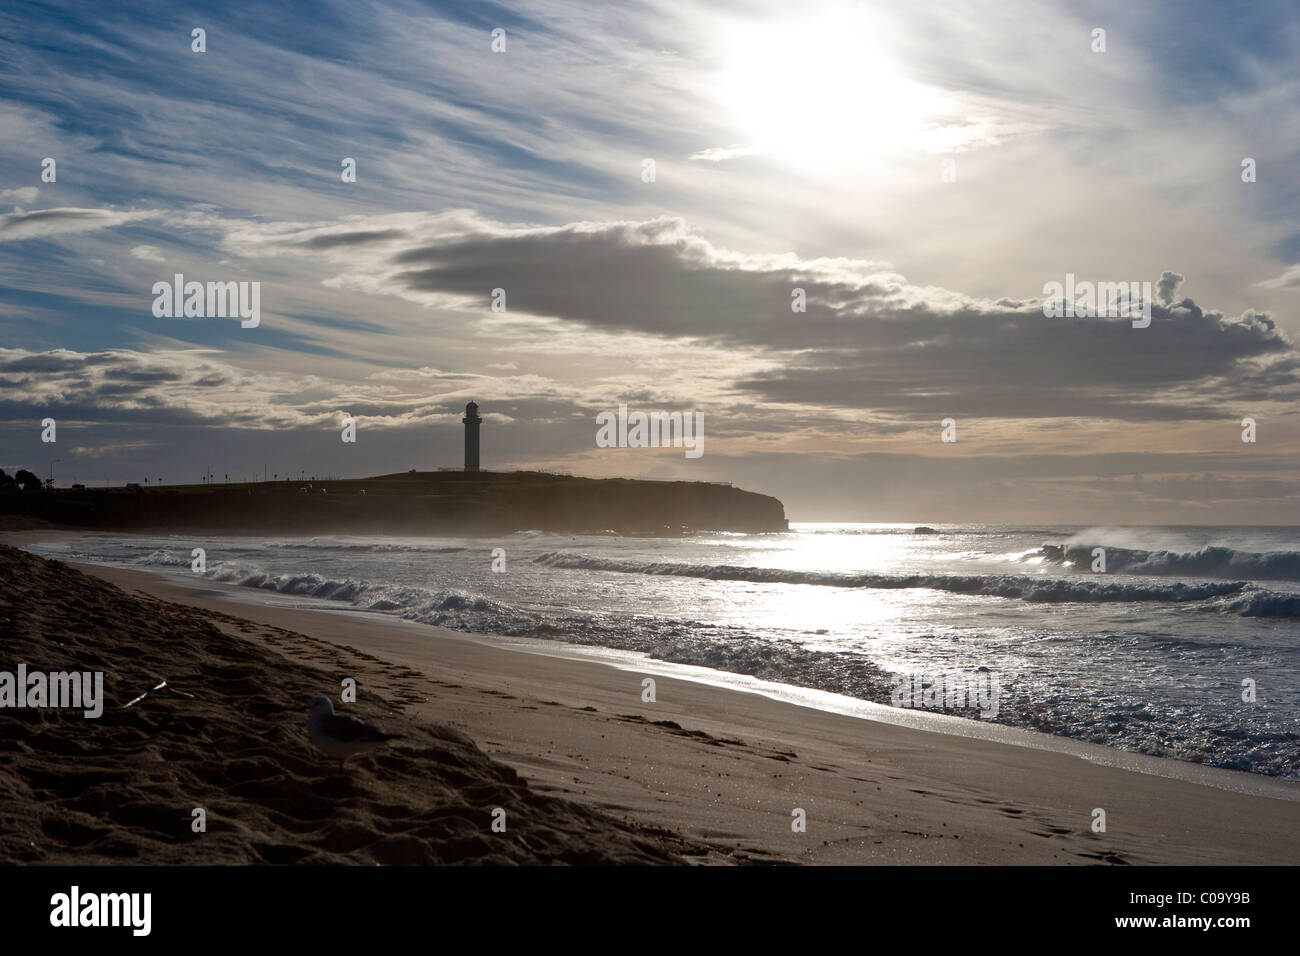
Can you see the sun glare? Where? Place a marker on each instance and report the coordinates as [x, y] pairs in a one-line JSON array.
[[821, 96]]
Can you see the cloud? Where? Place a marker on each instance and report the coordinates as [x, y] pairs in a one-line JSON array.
[[870, 340], [716, 154], [343, 240], [23, 194], [50, 222], [1167, 286], [1288, 279], [148, 253], [194, 387]]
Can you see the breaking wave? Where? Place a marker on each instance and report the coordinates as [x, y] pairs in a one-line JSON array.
[[1209, 562], [988, 585]]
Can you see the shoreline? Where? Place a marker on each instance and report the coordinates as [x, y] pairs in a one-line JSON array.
[[727, 764], [928, 721]]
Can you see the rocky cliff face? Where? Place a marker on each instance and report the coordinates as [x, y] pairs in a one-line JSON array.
[[417, 503]]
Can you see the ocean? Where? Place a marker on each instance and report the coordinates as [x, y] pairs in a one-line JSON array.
[[1186, 645]]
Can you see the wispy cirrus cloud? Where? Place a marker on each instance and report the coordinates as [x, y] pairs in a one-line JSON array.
[[59, 221], [1288, 279]]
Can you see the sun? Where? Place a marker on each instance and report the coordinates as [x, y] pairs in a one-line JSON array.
[[821, 96]]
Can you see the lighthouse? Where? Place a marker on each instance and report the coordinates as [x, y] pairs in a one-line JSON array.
[[472, 422]]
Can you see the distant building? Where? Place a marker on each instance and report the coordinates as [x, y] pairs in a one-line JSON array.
[[472, 422]]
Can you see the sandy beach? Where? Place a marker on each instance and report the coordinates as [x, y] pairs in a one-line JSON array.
[[702, 774], [196, 752]]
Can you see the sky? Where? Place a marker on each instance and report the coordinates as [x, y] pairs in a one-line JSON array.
[[649, 184]]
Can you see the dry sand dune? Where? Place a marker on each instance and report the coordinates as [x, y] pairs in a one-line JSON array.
[[227, 734]]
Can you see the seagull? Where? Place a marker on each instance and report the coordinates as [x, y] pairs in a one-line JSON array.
[[338, 735]]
